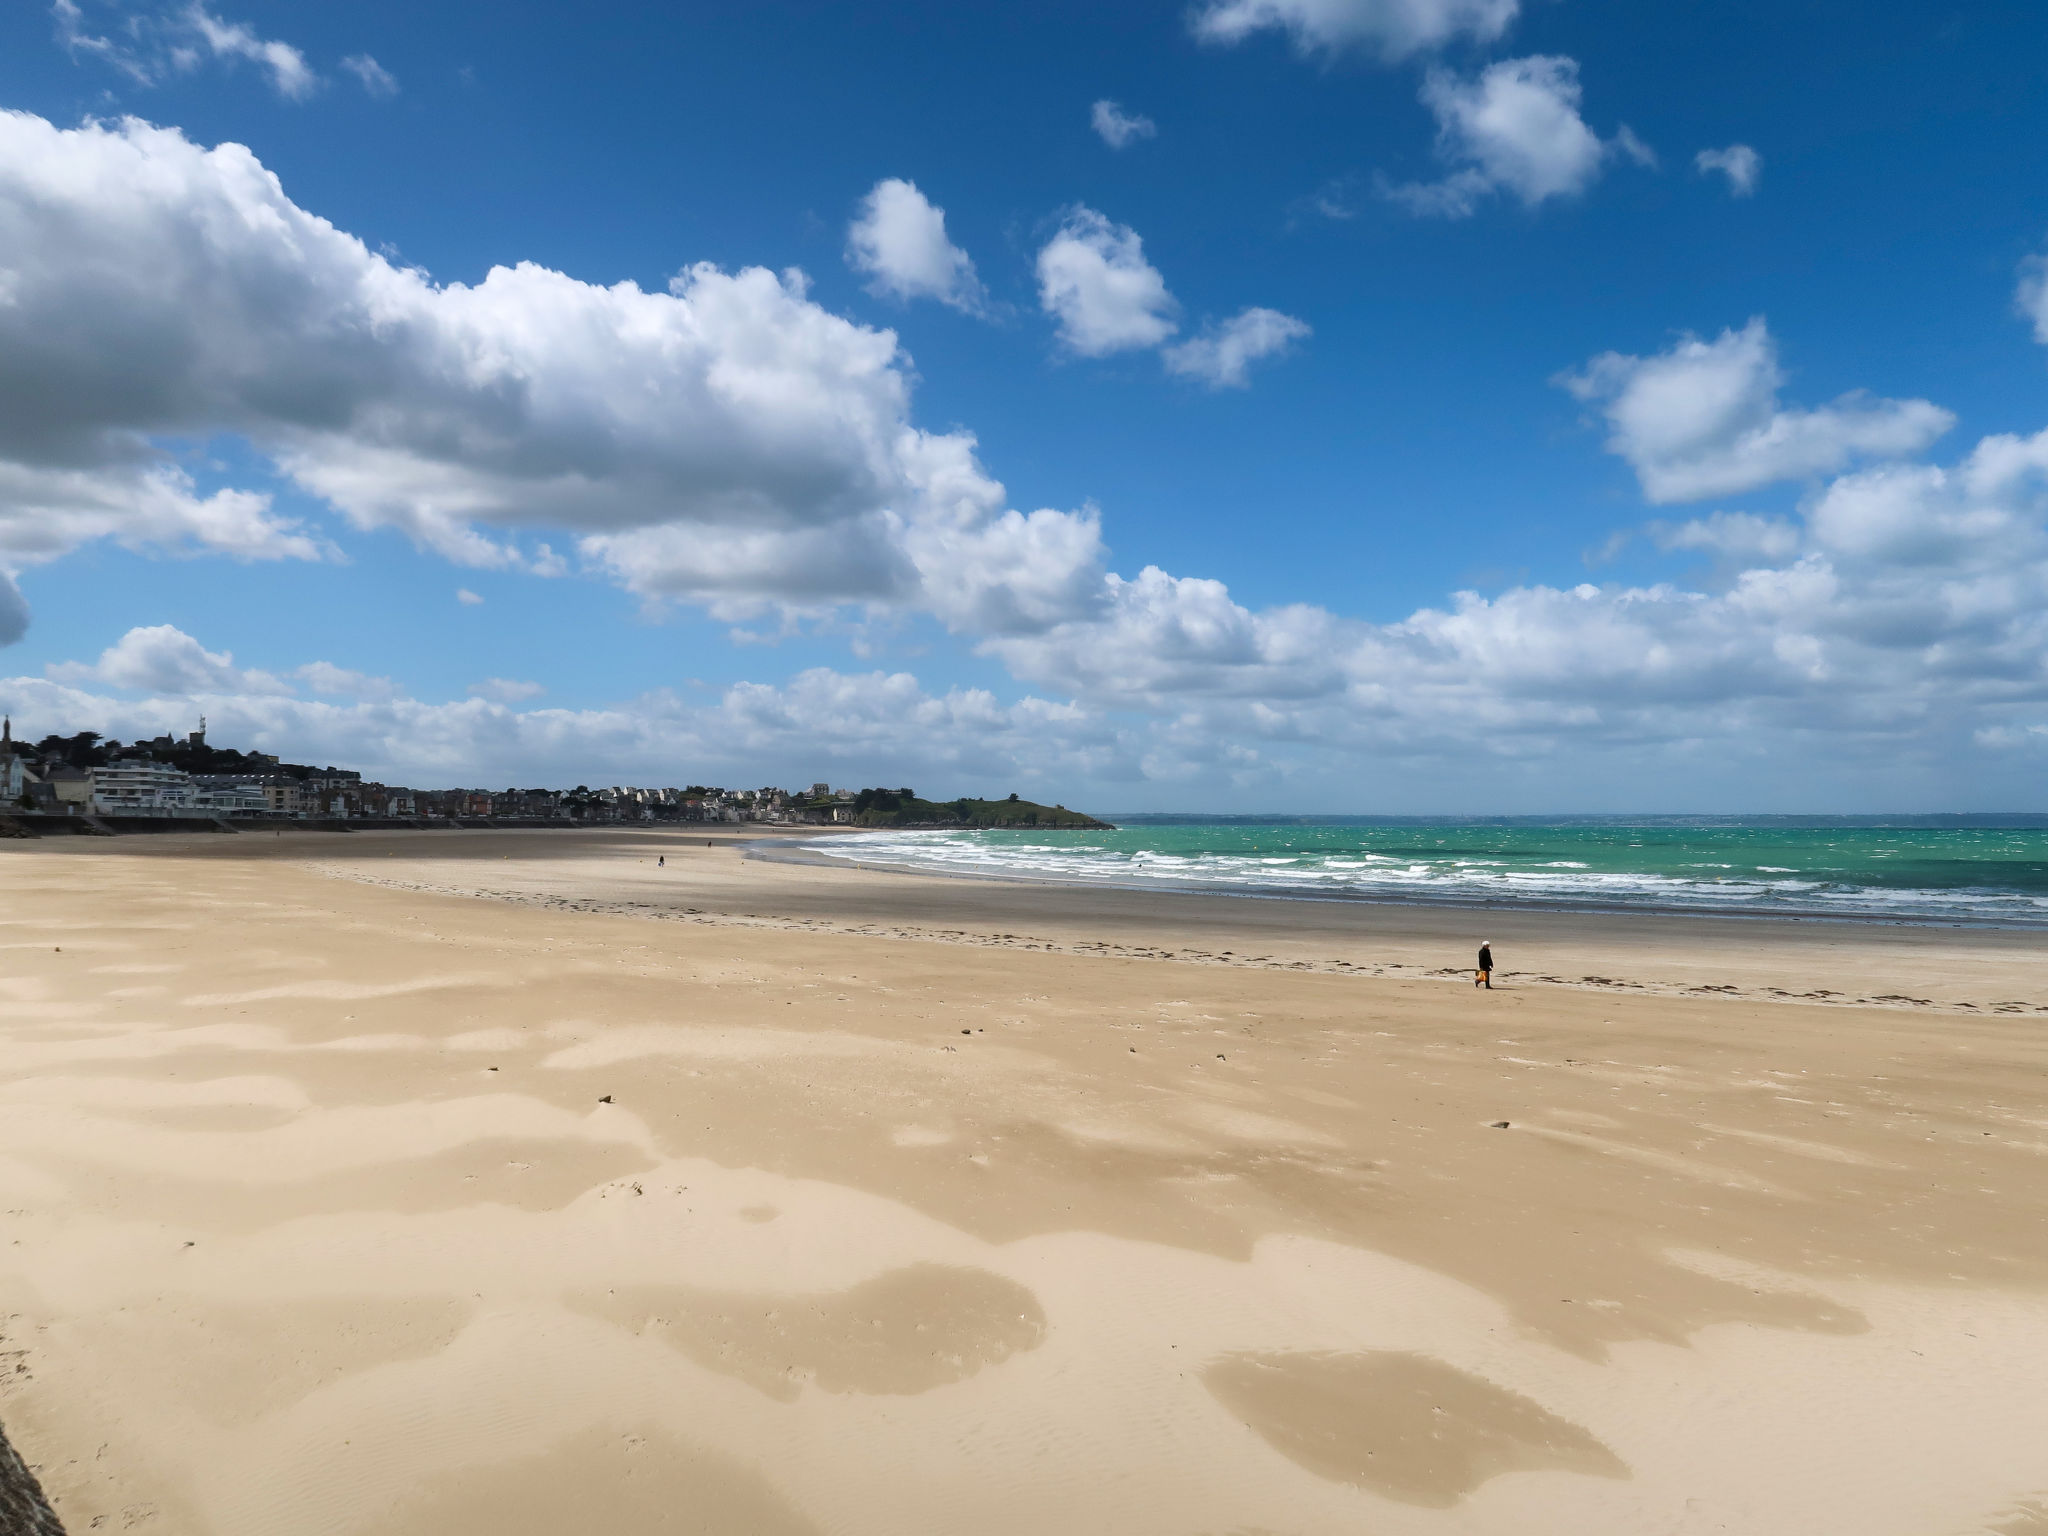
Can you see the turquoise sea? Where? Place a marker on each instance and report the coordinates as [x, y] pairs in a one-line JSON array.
[[1974, 869]]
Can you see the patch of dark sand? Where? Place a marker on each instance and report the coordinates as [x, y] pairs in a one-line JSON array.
[[901, 1333], [1400, 1425], [2029, 1517]]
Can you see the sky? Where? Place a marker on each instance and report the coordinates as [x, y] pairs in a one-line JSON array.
[[1408, 406]]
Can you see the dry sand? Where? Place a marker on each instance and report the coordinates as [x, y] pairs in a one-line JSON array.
[[740, 1197]]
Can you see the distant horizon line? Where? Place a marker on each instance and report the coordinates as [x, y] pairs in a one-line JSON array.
[[1557, 816]]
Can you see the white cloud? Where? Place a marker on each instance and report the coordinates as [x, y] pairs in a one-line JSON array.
[[505, 690], [1220, 356], [1735, 536], [47, 510], [1629, 147], [1894, 633], [1703, 418], [163, 659], [286, 66], [1514, 128], [898, 238], [1162, 642], [1117, 127], [1900, 622], [13, 611], [1093, 279], [1012, 573], [1905, 609], [1393, 29], [727, 442], [2032, 295], [149, 46], [324, 677], [1336, 199], [731, 442], [2013, 738], [1738, 162], [467, 598], [73, 36], [820, 723], [888, 718], [377, 80], [2005, 467]]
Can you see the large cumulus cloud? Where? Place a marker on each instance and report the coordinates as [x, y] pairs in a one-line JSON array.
[[1906, 604], [1703, 418], [726, 441]]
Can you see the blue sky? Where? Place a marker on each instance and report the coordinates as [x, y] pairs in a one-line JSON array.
[[1375, 305]]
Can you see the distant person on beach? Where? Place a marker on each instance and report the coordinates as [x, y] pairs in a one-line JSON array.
[[1483, 977], [662, 862]]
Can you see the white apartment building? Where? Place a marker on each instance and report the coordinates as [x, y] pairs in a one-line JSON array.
[[141, 787], [230, 799]]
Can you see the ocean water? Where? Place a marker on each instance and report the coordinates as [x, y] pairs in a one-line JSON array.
[[1974, 870]]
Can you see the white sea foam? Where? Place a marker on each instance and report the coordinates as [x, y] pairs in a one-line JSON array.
[[1454, 875]]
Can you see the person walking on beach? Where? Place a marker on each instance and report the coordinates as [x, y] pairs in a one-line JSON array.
[[1483, 977], [662, 862]]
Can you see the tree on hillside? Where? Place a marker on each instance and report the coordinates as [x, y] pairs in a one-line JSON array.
[[85, 750]]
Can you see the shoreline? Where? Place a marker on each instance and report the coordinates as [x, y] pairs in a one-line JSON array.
[[740, 878], [1964, 971], [769, 843], [1527, 903], [1508, 980]]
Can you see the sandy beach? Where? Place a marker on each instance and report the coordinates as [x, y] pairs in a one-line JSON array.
[[499, 1184]]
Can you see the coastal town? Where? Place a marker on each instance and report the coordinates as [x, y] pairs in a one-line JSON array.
[[84, 783]]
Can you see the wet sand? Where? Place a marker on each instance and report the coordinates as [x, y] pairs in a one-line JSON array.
[[748, 1197]]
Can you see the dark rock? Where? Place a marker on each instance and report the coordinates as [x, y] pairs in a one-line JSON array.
[[23, 1509]]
